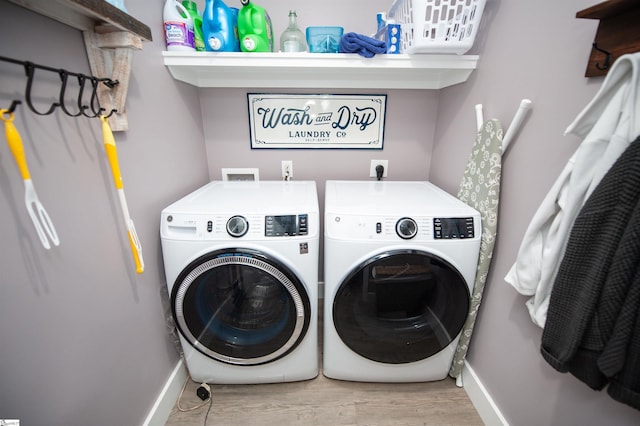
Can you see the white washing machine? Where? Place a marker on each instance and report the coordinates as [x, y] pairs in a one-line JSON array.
[[241, 264], [399, 265]]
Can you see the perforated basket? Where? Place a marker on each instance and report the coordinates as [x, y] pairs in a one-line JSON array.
[[437, 26]]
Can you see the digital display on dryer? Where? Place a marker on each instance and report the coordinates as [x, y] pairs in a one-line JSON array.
[[453, 228], [286, 225]]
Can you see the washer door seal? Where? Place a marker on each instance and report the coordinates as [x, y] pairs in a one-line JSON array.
[[401, 306], [240, 306]]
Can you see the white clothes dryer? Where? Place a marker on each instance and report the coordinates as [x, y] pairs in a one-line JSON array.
[[241, 264], [399, 264]]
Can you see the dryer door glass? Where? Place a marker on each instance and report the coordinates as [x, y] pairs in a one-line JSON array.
[[401, 306], [240, 307]]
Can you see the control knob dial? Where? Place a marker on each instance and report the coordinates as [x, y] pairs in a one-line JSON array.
[[406, 228], [237, 226]]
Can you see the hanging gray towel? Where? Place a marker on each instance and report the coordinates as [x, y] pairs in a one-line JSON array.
[[480, 188], [593, 322]]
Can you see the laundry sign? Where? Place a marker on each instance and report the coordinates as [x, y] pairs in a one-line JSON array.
[[316, 121]]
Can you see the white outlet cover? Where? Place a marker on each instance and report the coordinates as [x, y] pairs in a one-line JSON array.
[[246, 174]]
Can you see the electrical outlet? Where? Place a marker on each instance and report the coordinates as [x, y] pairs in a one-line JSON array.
[[287, 170], [374, 164]]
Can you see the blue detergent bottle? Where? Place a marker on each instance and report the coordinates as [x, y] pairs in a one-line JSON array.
[[220, 27]]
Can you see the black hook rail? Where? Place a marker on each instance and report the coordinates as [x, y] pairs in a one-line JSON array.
[[92, 110]]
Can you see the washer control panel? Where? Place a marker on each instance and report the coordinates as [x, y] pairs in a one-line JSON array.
[[453, 228], [286, 225], [414, 229]]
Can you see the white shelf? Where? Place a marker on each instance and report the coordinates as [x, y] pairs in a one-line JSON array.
[[318, 70]]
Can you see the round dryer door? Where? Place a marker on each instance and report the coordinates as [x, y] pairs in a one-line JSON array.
[[240, 307], [401, 306]]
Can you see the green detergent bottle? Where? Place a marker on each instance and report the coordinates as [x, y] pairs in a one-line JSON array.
[[254, 28], [192, 8]]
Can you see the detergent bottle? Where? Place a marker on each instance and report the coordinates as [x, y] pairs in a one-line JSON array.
[[192, 8], [178, 27], [254, 28], [219, 27]]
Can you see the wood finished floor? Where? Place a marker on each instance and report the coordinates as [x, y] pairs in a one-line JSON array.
[[323, 401], [327, 402]]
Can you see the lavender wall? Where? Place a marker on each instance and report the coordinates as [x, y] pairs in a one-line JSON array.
[[83, 338], [535, 50]]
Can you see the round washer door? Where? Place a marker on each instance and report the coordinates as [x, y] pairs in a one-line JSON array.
[[401, 306], [241, 307]]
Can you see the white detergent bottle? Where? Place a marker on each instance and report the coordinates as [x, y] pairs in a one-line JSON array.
[[178, 27]]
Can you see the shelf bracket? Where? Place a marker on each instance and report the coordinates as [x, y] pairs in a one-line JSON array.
[[110, 53], [618, 33]]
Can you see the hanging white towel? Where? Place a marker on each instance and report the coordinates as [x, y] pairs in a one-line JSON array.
[[607, 125]]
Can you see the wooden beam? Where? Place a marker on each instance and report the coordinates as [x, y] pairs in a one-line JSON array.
[[84, 15]]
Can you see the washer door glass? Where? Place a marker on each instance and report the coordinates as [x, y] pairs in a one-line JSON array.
[[401, 306], [240, 307]]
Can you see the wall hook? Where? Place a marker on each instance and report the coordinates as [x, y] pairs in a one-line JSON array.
[[607, 59], [81, 81], [110, 83], [94, 103], [30, 68], [113, 111], [64, 76], [13, 106]]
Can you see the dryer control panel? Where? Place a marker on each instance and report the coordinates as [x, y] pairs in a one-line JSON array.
[[446, 228], [286, 225]]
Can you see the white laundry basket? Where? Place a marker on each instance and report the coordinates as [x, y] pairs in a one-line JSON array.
[[437, 26]]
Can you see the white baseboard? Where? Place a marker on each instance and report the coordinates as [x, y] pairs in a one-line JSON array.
[[168, 396], [480, 398]]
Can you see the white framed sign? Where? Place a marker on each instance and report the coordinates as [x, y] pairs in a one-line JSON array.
[[292, 121]]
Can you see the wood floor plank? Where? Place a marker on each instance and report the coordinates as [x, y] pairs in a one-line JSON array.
[[324, 401], [327, 402]]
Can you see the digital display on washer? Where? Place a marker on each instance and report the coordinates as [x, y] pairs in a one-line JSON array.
[[286, 225], [452, 227]]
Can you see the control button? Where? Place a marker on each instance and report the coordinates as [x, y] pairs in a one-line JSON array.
[[378, 228], [210, 226], [268, 226], [303, 224], [470, 230], [437, 228]]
